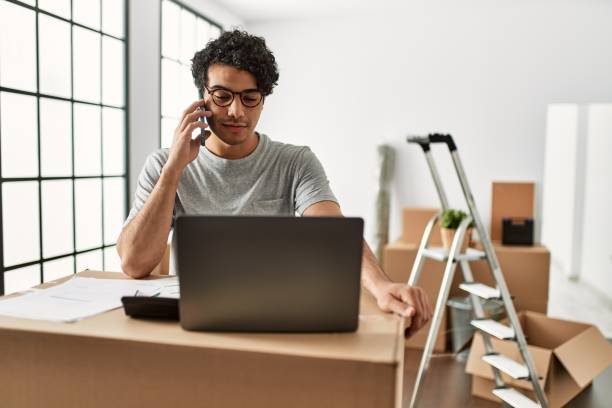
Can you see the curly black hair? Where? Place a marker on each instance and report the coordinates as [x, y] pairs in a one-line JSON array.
[[242, 51]]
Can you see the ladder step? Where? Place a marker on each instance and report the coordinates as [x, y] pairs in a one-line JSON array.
[[479, 289], [514, 398], [441, 254], [494, 328], [507, 365]]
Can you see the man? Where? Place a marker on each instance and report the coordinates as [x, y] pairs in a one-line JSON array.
[[239, 171]]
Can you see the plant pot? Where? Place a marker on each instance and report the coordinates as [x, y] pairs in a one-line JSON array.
[[448, 235]]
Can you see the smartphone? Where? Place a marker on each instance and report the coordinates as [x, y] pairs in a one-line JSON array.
[[202, 119]]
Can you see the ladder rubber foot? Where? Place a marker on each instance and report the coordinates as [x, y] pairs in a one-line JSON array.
[[481, 290], [507, 365], [494, 328], [514, 398]]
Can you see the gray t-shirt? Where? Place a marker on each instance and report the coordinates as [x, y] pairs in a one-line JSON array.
[[275, 179]]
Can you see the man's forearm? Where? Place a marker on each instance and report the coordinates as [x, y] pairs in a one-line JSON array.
[[142, 242], [372, 276]]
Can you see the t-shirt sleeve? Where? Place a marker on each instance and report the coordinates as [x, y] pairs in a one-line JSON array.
[[149, 175], [312, 183]]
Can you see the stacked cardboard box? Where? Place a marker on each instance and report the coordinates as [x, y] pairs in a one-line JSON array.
[[526, 270]]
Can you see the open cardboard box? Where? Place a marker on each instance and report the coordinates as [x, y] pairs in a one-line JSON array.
[[567, 355]]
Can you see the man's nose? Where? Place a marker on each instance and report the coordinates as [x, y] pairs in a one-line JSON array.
[[236, 109]]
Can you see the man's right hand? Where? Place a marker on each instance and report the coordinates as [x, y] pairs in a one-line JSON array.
[[184, 149]]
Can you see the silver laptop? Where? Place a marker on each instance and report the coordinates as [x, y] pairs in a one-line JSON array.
[[268, 274]]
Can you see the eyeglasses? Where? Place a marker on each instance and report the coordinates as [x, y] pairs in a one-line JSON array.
[[223, 97]]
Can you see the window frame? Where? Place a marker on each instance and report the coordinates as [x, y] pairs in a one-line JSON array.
[[73, 178]]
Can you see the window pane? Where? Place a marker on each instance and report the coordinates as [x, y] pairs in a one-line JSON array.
[[203, 33], [57, 217], [189, 92], [86, 65], [112, 262], [20, 224], [114, 208], [59, 7], [113, 17], [112, 71], [58, 268], [88, 200], [87, 161], [54, 51], [89, 260], [19, 141], [86, 12], [188, 35], [55, 139], [113, 143], [170, 89], [168, 126], [170, 29], [17, 47], [21, 279]]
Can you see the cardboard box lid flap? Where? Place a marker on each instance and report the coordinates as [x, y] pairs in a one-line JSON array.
[[585, 356], [548, 332]]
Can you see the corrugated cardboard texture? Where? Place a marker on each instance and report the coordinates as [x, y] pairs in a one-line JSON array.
[[414, 222], [526, 271], [112, 360], [584, 351], [510, 200], [397, 262], [583, 367]]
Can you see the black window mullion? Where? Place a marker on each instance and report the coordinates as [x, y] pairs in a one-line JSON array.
[[101, 132], [39, 183], [56, 257], [72, 135], [1, 218], [59, 98], [50, 14]]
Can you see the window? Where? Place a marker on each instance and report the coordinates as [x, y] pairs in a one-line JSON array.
[[183, 33], [63, 135]]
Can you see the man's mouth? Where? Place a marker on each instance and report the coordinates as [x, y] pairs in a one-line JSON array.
[[235, 127]]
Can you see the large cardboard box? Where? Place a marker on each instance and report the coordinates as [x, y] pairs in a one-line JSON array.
[[526, 271], [567, 355], [113, 360], [510, 200], [414, 221], [397, 262]]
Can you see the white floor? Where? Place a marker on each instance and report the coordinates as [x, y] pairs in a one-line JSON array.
[[573, 300]]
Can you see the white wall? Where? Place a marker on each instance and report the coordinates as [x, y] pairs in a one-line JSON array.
[[143, 76], [481, 70], [562, 206], [596, 262]]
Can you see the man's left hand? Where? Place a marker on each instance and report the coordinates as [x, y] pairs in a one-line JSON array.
[[405, 301]]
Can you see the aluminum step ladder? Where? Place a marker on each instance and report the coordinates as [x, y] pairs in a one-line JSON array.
[[499, 363]]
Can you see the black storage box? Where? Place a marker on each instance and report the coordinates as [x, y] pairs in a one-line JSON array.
[[517, 231]]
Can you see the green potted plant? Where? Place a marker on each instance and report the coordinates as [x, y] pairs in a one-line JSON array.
[[451, 219]]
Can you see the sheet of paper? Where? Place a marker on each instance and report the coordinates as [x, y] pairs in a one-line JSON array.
[[81, 297]]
